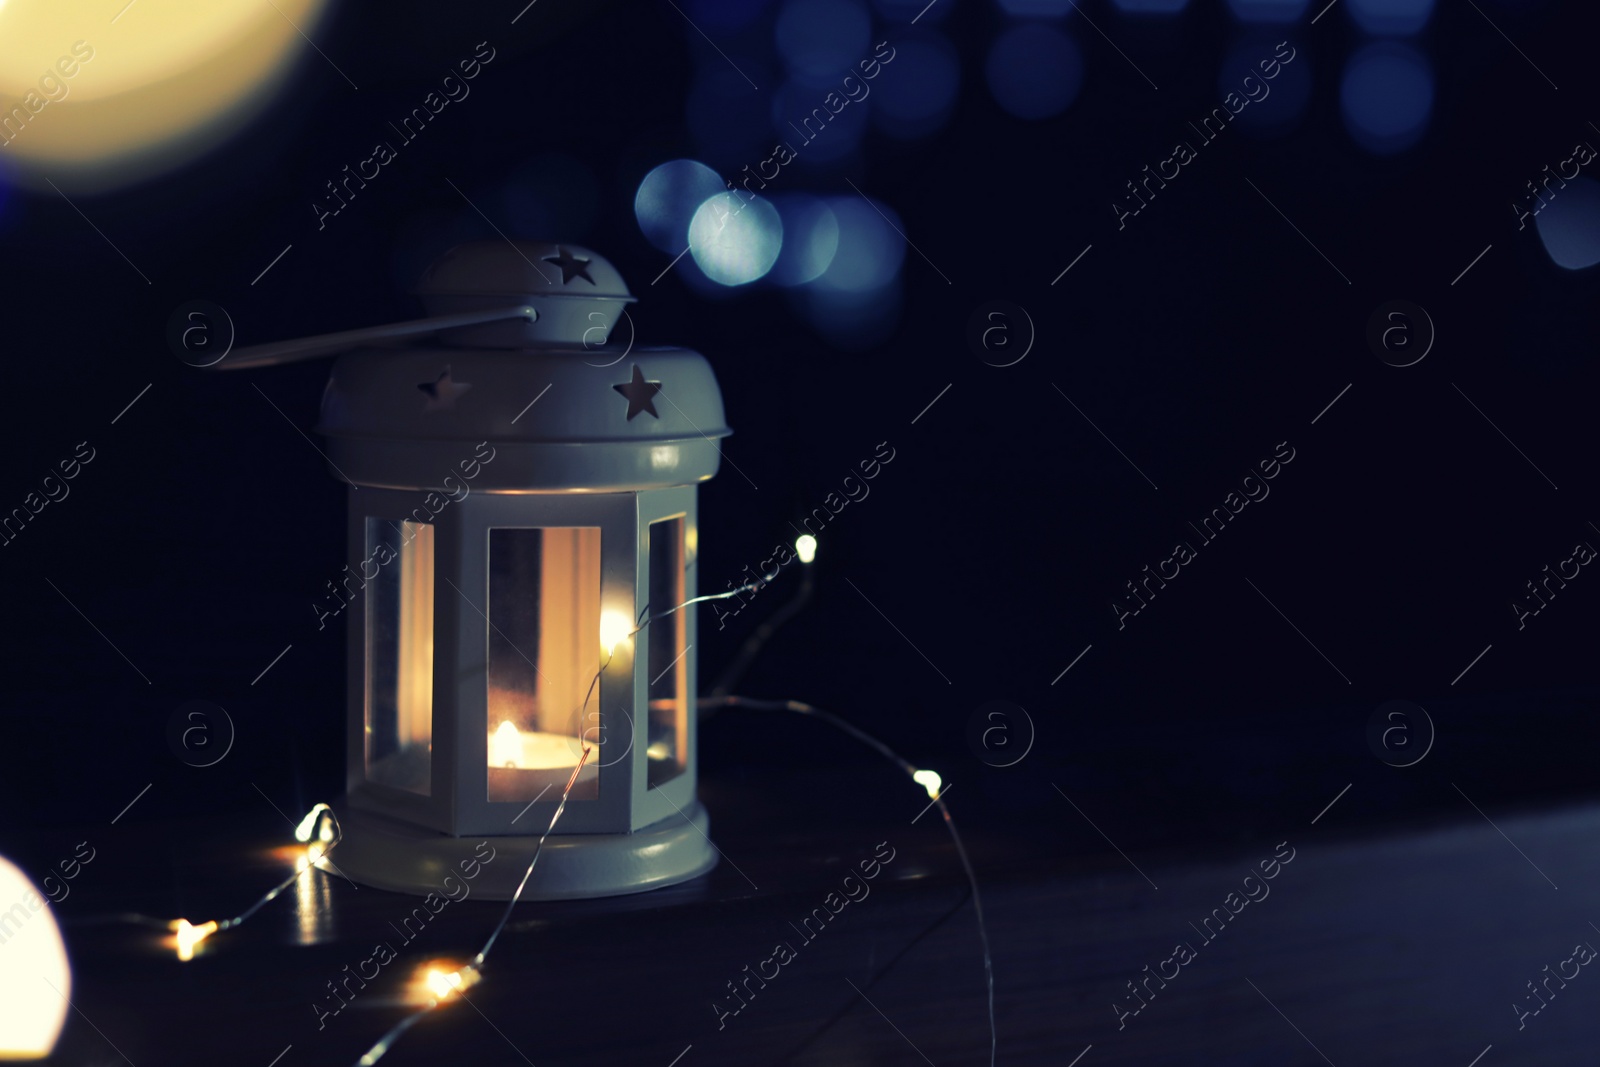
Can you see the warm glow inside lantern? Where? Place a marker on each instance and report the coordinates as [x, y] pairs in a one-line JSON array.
[[507, 548]]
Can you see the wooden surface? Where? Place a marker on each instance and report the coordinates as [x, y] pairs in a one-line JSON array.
[[1404, 948]]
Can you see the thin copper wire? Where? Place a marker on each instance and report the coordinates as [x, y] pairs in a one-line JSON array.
[[938, 799], [475, 968], [224, 924]]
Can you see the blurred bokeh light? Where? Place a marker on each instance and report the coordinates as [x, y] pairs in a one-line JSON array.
[[1268, 10], [922, 11], [816, 134], [914, 95], [735, 240], [810, 239], [551, 197], [1037, 9], [1152, 7], [667, 199], [870, 250], [1386, 97], [853, 319], [1569, 225], [1390, 17], [1034, 71], [728, 119], [32, 961], [100, 101], [1279, 102], [714, 15], [823, 38]]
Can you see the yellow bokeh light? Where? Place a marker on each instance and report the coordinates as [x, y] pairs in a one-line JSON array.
[[439, 979], [805, 546], [32, 961], [308, 824], [187, 936], [930, 781], [98, 98], [442, 985], [312, 855]]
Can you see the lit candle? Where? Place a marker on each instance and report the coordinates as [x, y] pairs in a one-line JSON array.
[[532, 750]]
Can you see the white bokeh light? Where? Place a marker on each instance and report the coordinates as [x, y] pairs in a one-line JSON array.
[[667, 199], [735, 241], [35, 980]]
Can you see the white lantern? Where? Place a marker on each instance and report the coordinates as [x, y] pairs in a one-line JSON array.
[[522, 500]]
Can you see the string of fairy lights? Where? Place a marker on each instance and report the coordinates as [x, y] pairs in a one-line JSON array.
[[319, 830]]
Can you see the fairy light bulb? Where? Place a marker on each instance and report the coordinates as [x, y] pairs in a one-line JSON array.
[[805, 546], [314, 853], [442, 985], [189, 935], [309, 824], [614, 630], [930, 781]]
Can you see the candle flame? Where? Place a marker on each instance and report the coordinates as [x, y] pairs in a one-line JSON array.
[[505, 747]]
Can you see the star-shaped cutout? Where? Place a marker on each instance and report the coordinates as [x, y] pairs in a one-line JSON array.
[[571, 266], [443, 391], [640, 394]]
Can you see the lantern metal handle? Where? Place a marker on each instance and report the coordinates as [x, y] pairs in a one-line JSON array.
[[327, 344]]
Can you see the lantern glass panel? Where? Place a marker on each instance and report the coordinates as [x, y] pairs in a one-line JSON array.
[[669, 677], [544, 659], [399, 726]]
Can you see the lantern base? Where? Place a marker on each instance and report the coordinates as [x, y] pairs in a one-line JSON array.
[[388, 854]]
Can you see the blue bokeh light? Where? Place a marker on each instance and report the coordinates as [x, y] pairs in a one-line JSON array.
[[668, 197], [418, 239], [822, 38], [853, 320], [813, 130], [1397, 18], [1268, 10], [1035, 9], [810, 239], [1386, 97], [1034, 71], [1274, 105], [714, 15], [1152, 7], [920, 11], [728, 119], [870, 249], [913, 96], [551, 197], [1569, 226], [735, 240]]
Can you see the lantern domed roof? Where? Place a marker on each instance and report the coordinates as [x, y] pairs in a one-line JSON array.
[[576, 295], [620, 415], [522, 268]]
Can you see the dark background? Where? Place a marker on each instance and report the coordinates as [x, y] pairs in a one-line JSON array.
[[1197, 339]]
